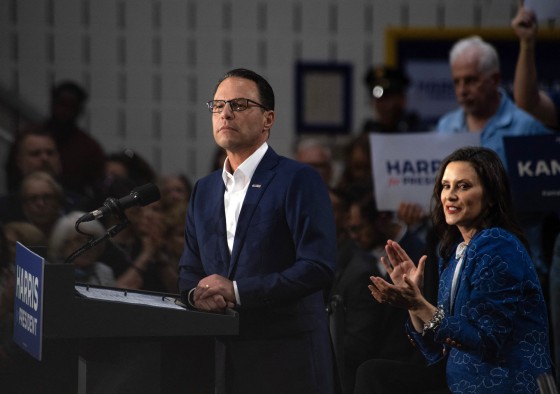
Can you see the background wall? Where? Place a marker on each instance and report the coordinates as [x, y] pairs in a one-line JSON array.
[[150, 65]]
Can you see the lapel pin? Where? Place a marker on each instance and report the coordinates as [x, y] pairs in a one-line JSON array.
[[256, 185]]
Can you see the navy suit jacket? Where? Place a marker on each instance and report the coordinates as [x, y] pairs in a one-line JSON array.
[[283, 255]]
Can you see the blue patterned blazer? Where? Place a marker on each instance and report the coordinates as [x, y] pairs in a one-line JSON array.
[[495, 337]]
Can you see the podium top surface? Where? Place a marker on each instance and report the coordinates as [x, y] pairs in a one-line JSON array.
[[81, 311]]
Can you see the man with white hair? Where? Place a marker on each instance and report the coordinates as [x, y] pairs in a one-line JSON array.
[[485, 107]]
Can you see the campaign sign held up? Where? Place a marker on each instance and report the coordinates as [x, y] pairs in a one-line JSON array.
[[405, 165], [28, 304], [534, 171]]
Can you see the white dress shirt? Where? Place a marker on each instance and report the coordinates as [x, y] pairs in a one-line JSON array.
[[236, 189]]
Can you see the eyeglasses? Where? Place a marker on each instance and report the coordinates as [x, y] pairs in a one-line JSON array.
[[236, 105]]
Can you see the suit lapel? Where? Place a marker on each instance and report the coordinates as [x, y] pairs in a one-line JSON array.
[[262, 177], [215, 202]]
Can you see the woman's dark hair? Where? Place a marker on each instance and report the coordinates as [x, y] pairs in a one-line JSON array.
[[497, 210], [266, 94]]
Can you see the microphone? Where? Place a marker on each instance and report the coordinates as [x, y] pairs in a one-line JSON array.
[[142, 195]]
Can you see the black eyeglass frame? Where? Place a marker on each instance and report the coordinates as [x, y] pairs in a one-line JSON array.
[[211, 107]]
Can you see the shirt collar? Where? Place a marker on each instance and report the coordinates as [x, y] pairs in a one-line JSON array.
[[248, 167]]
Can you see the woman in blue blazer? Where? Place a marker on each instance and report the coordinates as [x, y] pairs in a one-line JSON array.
[[490, 325]]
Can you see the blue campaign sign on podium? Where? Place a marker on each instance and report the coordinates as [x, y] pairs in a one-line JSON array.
[[28, 301], [534, 171]]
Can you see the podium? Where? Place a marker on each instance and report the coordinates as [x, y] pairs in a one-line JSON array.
[[94, 344]]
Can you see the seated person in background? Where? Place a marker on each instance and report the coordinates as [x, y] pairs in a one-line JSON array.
[[130, 164], [33, 150], [340, 201], [357, 165], [25, 233], [357, 172], [126, 165], [65, 240], [173, 242], [42, 201], [543, 106], [174, 188], [371, 330], [387, 88], [132, 252], [318, 155]]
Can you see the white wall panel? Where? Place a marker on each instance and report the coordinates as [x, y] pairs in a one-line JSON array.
[[138, 15], [103, 14], [496, 13], [174, 16], [67, 13], [67, 47], [458, 13], [104, 48], [423, 13], [139, 48], [31, 13]]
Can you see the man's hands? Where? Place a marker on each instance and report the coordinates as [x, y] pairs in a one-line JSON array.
[[214, 293]]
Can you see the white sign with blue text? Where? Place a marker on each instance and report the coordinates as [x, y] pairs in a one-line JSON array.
[[28, 301], [405, 165]]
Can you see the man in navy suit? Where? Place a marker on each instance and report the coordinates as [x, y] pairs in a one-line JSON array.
[[260, 238]]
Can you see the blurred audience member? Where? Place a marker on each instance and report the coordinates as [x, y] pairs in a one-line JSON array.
[[173, 242], [65, 240], [82, 157], [371, 330], [387, 87], [218, 159], [485, 107], [25, 233], [357, 164], [130, 164], [542, 105], [175, 188], [42, 201], [341, 204], [135, 249], [318, 155], [33, 149]]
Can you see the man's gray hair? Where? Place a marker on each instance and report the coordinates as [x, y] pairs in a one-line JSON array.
[[474, 46]]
